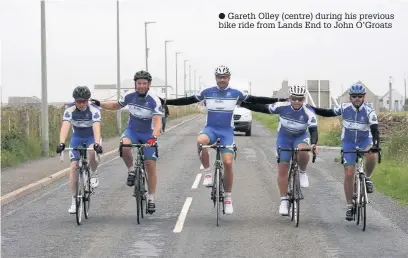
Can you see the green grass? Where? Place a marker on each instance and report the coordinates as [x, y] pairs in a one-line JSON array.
[[271, 121]]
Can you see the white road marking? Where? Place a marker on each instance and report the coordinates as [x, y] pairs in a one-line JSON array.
[[183, 215], [196, 181]]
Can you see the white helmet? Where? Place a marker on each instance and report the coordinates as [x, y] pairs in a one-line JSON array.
[[221, 70], [297, 90]]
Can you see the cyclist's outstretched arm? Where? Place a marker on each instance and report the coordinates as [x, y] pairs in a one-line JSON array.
[[182, 101], [108, 105], [373, 121], [324, 112], [256, 107], [262, 100]]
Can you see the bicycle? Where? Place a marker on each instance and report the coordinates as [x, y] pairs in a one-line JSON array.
[[217, 191], [360, 197], [83, 184], [141, 179], [294, 190]]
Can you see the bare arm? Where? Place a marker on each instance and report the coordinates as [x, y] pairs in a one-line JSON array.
[[96, 127], [64, 131], [111, 105], [157, 120]]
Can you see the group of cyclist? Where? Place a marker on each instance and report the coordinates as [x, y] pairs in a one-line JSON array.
[[297, 129]]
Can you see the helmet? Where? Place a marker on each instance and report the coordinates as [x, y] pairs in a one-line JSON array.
[[357, 88], [220, 70], [81, 92], [142, 75], [297, 90]]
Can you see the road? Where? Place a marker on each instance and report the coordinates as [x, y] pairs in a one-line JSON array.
[[38, 225]]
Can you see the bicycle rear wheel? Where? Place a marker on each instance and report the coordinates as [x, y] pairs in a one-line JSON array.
[[79, 196], [138, 195], [87, 193], [363, 203]]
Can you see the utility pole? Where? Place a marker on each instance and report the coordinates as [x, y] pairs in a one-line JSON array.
[[250, 88], [118, 112], [189, 79], [185, 78], [390, 95], [195, 80], [165, 64], [44, 93], [146, 48]]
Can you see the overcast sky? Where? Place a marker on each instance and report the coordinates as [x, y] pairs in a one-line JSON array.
[[81, 44]]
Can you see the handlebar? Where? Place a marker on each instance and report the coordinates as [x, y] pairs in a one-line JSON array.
[[97, 155], [138, 145], [360, 151], [218, 145], [297, 150]]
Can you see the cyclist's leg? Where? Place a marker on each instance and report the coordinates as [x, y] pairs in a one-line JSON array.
[[205, 137], [349, 166], [74, 157], [129, 137], [150, 164], [283, 168], [370, 160], [303, 141], [227, 138]]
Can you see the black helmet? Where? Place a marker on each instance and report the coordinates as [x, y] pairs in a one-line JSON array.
[[142, 75], [81, 92]]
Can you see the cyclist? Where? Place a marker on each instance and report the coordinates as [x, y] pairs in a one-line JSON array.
[[220, 101], [144, 126], [360, 129], [85, 119], [296, 117]]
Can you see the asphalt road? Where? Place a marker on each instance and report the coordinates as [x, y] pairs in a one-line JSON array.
[[39, 225]]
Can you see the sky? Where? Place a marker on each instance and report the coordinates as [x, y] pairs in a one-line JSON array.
[[81, 44]]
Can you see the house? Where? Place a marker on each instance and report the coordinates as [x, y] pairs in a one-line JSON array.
[[370, 98], [397, 101]]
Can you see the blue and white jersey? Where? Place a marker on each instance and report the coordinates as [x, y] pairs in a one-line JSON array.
[[293, 122], [220, 104], [82, 121], [356, 123], [142, 110]]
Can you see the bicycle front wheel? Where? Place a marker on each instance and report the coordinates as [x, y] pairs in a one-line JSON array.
[[297, 194], [363, 203], [87, 194], [79, 196], [138, 195], [217, 195]]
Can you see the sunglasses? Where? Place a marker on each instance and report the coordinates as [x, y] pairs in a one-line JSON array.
[[356, 96], [300, 99], [79, 101]]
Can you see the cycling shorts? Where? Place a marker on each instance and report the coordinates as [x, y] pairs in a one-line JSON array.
[[139, 137], [290, 142], [77, 141], [350, 158], [226, 136]]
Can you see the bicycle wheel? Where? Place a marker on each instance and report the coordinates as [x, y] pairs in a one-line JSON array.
[[137, 195], [297, 193], [355, 207], [87, 193], [142, 192], [79, 196], [222, 191], [363, 203], [358, 198], [217, 194]]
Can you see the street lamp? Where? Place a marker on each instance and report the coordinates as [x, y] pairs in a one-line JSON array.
[[199, 83], [185, 78], [165, 63], [146, 49], [177, 53], [44, 94], [189, 78], [195, 80]]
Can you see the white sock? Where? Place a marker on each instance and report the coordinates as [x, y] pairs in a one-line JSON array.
[[284, 197], [131, 169], [151, 197], [227, 195], [301, 171]]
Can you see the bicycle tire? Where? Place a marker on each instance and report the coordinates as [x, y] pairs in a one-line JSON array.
[[217, 194], [143, 195], [87, 194], [291, 195], [296, 184], [363, 203], [79, 196], [355, 207], [137, 194], [222, 191], [358, 198]]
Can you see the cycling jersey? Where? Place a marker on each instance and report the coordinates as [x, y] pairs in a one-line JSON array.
[[82, 121], [356, 123], [142, 110], [220, 104], [293, 122]]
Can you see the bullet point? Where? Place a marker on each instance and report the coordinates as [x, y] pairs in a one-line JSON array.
[[221, 16]]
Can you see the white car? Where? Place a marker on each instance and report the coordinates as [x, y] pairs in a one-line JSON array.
[[242, 120]]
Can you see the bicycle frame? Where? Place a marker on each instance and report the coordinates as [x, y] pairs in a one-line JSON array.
[[217, 192], [141, 178]]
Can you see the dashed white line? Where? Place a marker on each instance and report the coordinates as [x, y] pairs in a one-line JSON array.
[[183, 215], [196, 181]]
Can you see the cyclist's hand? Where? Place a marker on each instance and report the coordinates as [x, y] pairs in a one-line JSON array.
[[60, 147], [96, 102], [374, 148], [152, 140], [162, 101], [98, 148], [314, 148]]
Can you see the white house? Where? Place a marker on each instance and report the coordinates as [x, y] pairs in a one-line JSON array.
[[397, 101]]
